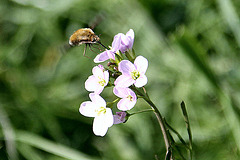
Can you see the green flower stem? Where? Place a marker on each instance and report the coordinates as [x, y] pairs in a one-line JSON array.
[[110, 104], [157, 114], [142, 111]]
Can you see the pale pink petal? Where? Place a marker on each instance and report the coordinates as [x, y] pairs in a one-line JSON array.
[[124, 81], [120, 92], [91, 83], [141, 64], [101, 67], [88, 109], [98, 100], [111, 54], [124, 104], [132, 94], [116, 42], [125, 40], [99, 89], [141, 81], [130, 35], [101, 57], [126, 67]]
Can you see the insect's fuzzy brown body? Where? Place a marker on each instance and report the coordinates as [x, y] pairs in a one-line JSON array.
[[83, 36]]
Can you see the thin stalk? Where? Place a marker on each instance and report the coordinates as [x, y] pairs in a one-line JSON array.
[[158, 115], [142, 111], [160, 121]]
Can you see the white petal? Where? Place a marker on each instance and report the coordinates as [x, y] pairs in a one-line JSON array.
[[91, 83], [106, 77], [109, 117], [102, 123], [99, 127], [97, 100], [141, 64], [141, 81], [88, 109], [97, 72]]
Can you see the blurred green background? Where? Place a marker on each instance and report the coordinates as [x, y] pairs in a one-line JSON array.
[[193, 51]]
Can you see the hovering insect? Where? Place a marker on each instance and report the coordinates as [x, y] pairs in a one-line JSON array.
[[84, 36]]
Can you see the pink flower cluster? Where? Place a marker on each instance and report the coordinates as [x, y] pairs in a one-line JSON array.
[[129, 74]]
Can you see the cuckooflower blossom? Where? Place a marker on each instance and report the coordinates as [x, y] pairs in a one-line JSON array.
[[121, 43], [108, 54], [98, 80], [103, 117], [120, 117], [132, 73], [128, 100]]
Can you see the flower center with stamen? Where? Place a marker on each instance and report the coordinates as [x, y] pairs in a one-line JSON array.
[[101, 81], [135, 74], [130, 98], [101, 110]]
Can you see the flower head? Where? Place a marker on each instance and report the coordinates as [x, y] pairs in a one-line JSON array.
[[98, 80], [128, 100], [108, 54], [132, 73], [103, 117], [120, 117], [121, 43]]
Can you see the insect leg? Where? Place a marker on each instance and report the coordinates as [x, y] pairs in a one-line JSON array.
[[84, 52], [90, 47]]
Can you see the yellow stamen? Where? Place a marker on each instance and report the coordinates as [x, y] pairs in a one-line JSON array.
[[135, 74], [101, 110]]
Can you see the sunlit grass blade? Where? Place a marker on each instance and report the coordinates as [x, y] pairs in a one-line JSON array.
[[28, 152], [230, 16], [49, 146], [8, 134]]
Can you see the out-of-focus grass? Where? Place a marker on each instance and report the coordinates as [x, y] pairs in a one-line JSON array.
[[192, 48]]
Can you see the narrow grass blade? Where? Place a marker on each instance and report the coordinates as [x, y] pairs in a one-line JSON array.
[[49, 146], [185, 115]]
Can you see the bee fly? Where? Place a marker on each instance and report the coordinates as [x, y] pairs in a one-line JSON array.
[[84, 36]]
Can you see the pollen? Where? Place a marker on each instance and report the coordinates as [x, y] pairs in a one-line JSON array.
[[101, 81], [101, 110], [135, 75], [130, 97]]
